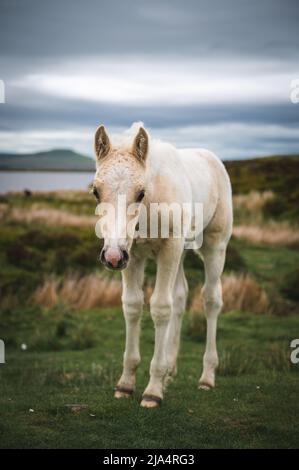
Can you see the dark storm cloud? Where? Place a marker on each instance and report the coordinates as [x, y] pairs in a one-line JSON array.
[[56, 114], [214, 44], [215, 27]]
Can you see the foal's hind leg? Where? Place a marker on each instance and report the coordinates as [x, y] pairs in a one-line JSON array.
[[180, 293], [213, 254]]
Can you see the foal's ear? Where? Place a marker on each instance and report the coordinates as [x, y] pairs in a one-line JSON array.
[[101, 142], [140, 146]]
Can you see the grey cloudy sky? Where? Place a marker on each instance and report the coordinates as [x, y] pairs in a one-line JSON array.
[[213, 73]]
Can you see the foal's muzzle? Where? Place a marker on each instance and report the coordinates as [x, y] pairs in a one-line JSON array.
[[114, 258]]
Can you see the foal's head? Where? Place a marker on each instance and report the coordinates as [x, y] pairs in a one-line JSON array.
[[119, 182]]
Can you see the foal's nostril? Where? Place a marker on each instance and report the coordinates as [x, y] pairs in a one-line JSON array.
[[124, 259], [125, 255], [102, 256]]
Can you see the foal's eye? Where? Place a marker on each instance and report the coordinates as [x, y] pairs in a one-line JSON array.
[[140, 196], [96, 194]]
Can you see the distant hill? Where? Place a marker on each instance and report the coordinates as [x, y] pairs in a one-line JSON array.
[[279, 174], [52, 160]]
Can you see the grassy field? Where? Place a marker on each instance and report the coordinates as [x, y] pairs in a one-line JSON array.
[[61, 321], [255, 403]]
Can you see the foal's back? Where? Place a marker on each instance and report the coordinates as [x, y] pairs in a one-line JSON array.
[[210, 184]]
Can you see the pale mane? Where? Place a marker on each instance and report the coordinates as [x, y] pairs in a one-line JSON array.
[[125, 139]]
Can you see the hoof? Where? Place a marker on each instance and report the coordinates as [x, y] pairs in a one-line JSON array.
[[205, 386], [150, 401], [118, 394], [122, 392]]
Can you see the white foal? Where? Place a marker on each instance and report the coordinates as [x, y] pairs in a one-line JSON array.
[[149, 171]]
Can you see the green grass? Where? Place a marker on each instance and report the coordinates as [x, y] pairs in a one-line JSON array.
[[255, 403]]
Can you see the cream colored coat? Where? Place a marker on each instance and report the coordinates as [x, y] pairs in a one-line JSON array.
[[127, 165]]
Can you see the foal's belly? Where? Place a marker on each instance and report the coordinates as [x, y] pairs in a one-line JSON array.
[[201, 170]]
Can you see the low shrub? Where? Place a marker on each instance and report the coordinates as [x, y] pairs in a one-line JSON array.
[[234, 261], [24, 257], [290, 285]]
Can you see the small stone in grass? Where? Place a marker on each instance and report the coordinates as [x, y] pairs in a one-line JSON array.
[[91, 415], [76, 408], [31, 410], [24, 347]]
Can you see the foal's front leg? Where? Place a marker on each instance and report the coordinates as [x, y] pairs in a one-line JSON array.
[[132, 301], [161, 305]]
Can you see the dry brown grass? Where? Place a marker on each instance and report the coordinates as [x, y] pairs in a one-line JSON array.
[[80, 292], [3, 210], [252, 226], [272, 233], [92, 290], [240, 292], [48, 216], [46, 294], [252, 202]]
